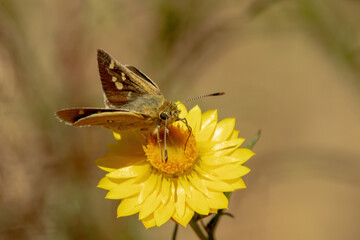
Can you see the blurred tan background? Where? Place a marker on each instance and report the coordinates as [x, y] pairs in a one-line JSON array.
[[291, 68]]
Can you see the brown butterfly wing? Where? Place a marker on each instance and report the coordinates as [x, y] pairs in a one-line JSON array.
[[72, 115], [122, 84], [109, 118]]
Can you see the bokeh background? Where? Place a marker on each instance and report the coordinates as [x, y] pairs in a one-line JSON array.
[[290, 68]]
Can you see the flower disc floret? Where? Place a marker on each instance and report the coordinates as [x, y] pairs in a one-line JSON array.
[[181, 150]]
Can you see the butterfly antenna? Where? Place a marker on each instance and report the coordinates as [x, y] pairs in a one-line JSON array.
[[206, 95]]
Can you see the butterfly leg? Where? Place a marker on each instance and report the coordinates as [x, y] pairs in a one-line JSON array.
[[189, 128]]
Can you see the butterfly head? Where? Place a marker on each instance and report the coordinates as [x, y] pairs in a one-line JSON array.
[[170, 113]]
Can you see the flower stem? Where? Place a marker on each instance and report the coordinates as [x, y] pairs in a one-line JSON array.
[[175, 231], [194, 225], [210, 228]]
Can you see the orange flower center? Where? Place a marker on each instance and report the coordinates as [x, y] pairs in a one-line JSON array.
[[180, 147]]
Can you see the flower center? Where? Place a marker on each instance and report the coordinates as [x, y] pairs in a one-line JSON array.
[[181, 150]]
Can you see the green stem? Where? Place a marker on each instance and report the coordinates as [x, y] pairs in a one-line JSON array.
[[197, 229], [210, 228], [175, 231]]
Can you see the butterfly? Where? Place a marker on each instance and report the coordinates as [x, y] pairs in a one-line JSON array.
[[132, 101]]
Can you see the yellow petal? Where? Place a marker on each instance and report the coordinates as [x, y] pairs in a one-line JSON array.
[[148, 186], [165, 190], [180, 200], [231, 171], [107, 169], [243, 154], [141, 178], [112, 161], [227, 147], [218, 185], [209, 117], [183, 110], [224, 129], [219, 148], [106, 183], [208, 168], [130, 171], [164, 213], [149, 221], [198, 202], [213, 210], [237, 183], [129, 137], [185, 184], [128, 206], [194, 119], [216, 161], [124, 190], [235, 134], [197, 183], [217, 200], [117, 136], [206, 133], [204, 174], [185, 219], [211, 178], [151, 203]]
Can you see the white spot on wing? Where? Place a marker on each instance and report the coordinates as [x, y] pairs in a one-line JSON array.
[[123, 77], [112, 64], [119, 85], [114, 79]]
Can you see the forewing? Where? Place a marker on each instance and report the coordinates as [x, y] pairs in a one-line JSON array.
[[141, 75], [122, 84], [109, 118]]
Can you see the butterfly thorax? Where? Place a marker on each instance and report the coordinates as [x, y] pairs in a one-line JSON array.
[[155, 108], [147, 106]]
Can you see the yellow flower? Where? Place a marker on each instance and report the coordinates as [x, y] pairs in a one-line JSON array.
[[199, 169]]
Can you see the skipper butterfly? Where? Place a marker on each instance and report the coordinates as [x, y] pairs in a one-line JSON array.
[[132, 101]]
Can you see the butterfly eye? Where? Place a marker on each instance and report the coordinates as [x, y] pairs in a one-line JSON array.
[[163, 116]]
